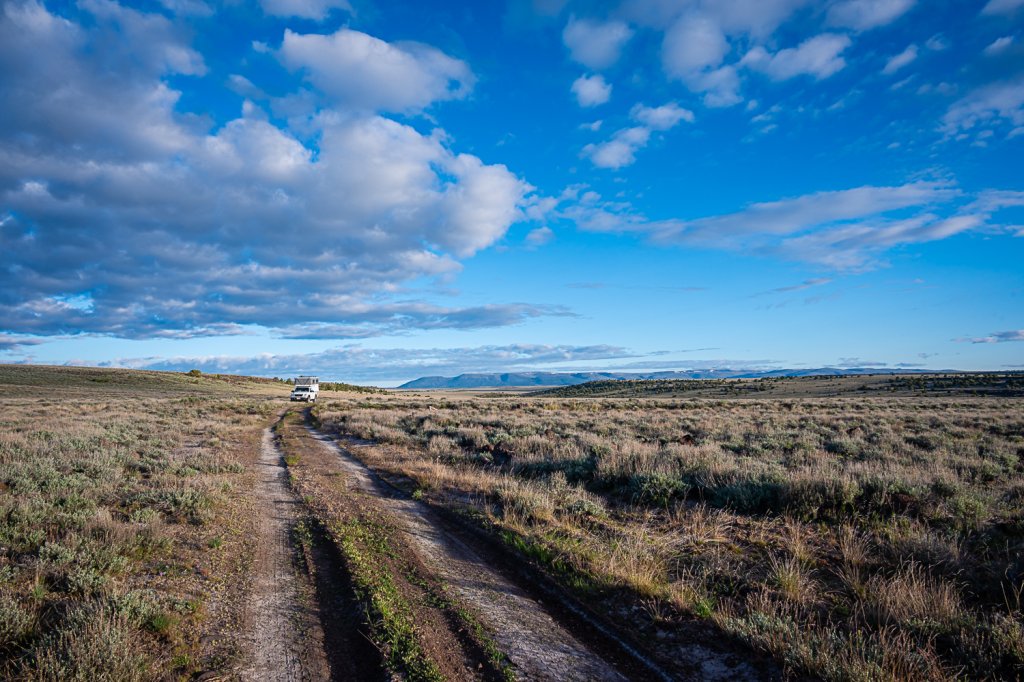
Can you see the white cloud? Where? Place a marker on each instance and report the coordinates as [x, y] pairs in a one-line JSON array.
[[693, 43], [693, 51], [540, 236], [701, 38], [195, 8], [241, 225], [156, 42], [997, 337], [53, 94], [818, 56], [987, 106], [788, 216], [478, 206], [806, 284], [621, 149], [591, 91], [720, 87], [243, 86], [361, 71], [842, 230], [661, 118], [356, 363], [758, 18], [255, 149], [12, 342], [899, 61], [866, 14], [304, 9], [596, 45], [851, 247], [1002, 6], [999, 44]]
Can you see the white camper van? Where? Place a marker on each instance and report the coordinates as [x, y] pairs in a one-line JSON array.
[[306, 388]]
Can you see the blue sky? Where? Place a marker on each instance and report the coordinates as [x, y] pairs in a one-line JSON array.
[[378, 191]]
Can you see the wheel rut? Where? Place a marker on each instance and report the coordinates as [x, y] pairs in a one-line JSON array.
[[285, 640], [538, 646]]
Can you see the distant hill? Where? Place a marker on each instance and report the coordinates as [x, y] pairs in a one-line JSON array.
[[542, 379], [992, 384]]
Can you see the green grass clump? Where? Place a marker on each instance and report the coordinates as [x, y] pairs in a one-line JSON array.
[[365, 547]]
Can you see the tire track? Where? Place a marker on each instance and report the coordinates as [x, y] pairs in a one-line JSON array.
[[537, 645], [285, 639]]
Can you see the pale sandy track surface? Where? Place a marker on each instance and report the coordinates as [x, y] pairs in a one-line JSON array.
[[285, 641]]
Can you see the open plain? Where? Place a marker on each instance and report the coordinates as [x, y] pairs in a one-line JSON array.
[[186, 526]]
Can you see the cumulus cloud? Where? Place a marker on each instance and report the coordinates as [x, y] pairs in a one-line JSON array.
[[359, 70], [897, 62], [120, 216], [540, 236], [591, 91], [702, 39], [866, 14], [988, 106], [692, 52], [304, 9], [996, 337], [818, 56], [357, 363], [693, 43], [661, 118], [594, 44], [157, 43], [621, 149]]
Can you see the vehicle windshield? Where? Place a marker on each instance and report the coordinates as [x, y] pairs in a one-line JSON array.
[[300, 389]]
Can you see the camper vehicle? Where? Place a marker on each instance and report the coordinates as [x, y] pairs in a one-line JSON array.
[[306, 388]]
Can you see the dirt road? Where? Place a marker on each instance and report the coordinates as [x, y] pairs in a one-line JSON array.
[[379, 586]]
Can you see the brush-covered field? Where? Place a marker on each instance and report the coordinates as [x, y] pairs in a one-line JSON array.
[[123, 521], [848, 538], [866, 536]]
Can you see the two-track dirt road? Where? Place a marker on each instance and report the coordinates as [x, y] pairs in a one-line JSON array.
[[295, 630]]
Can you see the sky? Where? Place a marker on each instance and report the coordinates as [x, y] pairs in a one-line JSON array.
[[377, 191]]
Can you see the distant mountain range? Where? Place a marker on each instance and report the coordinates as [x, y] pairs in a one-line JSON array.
[[542, 379]]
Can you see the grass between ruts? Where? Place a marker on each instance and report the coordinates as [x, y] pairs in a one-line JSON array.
[[850, 539], [364, 545]]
